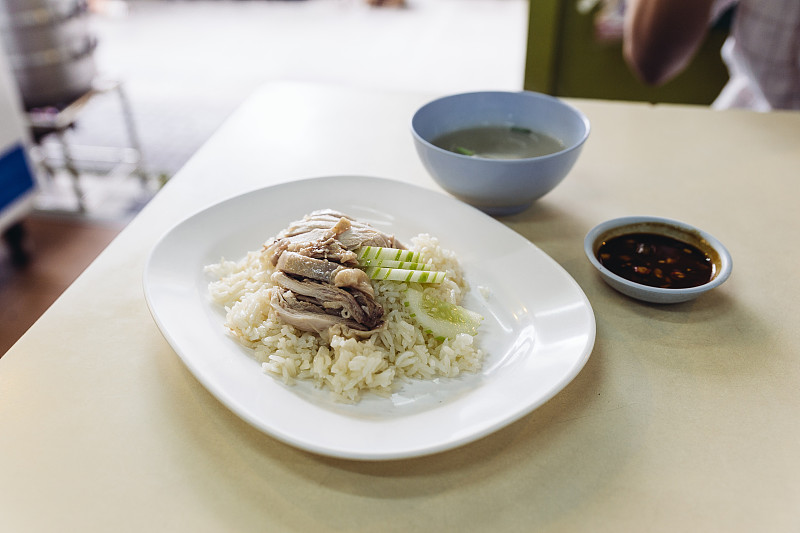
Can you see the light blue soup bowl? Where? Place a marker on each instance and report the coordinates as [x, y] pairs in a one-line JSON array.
[[499, 186]]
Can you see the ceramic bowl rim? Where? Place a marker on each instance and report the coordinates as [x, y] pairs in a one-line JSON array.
[[604, 228], [526, 94]]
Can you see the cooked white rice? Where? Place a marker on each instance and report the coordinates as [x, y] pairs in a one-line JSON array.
[[346, 366]]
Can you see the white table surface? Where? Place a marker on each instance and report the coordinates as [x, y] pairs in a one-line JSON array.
[[685, 418]]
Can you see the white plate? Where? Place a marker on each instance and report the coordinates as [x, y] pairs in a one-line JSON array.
[[538, 331]]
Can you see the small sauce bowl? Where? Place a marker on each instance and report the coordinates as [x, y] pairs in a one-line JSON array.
[[706, 243]]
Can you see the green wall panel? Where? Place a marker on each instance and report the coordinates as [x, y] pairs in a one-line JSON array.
[[565, 59]]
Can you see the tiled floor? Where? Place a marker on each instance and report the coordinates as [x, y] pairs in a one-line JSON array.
[[186, 64]]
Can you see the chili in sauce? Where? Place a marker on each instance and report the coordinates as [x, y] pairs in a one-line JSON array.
[[656, 260]]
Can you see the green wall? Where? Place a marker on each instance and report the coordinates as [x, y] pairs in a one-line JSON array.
[[564, 59]]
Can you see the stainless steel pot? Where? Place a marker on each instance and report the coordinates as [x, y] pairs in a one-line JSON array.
[[50, 48]]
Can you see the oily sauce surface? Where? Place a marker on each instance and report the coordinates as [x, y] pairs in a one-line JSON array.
[[656, 261]]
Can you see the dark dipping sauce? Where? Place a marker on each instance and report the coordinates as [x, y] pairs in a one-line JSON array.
[[656, 261]]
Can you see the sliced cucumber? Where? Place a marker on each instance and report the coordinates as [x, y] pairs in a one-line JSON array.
[[402, 274], [386, 263], [442, 319], [392, 254]]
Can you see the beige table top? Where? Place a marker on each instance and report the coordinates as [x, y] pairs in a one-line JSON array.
[[685, 418]]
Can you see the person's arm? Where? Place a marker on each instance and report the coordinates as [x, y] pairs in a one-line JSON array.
[[661, 36]]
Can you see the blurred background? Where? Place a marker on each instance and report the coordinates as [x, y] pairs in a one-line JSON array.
[[103, 101]]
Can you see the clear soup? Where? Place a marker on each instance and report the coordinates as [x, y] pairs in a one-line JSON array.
[[499, 142]]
